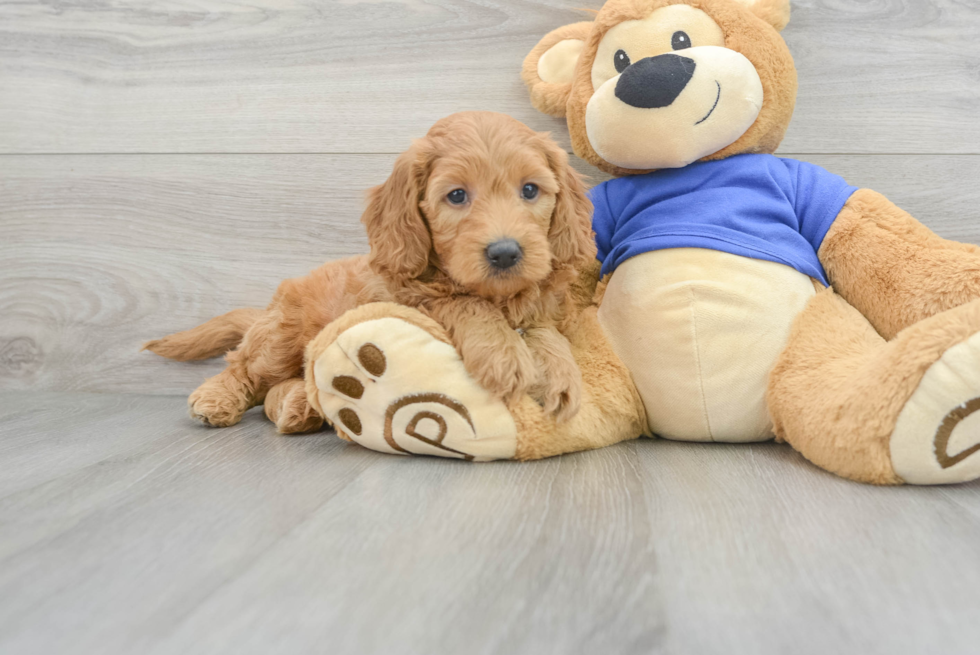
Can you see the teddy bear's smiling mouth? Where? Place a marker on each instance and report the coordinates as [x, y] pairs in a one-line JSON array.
[[714, 107]]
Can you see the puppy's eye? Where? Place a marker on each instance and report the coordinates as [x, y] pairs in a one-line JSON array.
[[621, 60], [457, 197], [680, 41], [529, 192]]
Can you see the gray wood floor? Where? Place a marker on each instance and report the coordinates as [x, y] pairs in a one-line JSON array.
[[164, 162], [126, 529]]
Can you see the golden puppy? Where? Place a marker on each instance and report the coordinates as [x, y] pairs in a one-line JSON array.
[[482, 224]]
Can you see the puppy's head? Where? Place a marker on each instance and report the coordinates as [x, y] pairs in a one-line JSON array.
[[485, 199]]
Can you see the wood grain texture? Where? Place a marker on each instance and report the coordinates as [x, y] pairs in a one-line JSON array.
[[102, 253], [146, 533], [895, 76]]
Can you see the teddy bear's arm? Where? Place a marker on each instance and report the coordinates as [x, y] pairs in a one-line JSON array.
[[892, 268]]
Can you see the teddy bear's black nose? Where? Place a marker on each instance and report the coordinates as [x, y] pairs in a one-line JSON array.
[[655, 82]]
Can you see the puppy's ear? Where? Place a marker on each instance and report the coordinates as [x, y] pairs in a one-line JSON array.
[[774, 12], [396, 230], [571, 237], [549, 68]]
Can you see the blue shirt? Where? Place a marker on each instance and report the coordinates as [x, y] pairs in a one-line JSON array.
[[757, 206]]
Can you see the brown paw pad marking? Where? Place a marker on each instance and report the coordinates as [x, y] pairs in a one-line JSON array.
[[952, 420], [350, 387], [351, 420], [372, 359]]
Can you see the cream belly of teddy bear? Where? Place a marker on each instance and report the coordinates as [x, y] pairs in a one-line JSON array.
[[700, 331]]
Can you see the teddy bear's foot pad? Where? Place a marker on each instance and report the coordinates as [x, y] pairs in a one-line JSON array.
[[937, 436], [393, 387]]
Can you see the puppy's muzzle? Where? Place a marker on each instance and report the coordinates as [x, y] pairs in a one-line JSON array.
[[504, 254], [655, 82]]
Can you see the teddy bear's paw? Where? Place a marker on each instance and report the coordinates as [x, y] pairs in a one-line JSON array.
[[937, 436], [393, 387]]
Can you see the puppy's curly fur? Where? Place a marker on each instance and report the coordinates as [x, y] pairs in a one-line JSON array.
[[430, 253]]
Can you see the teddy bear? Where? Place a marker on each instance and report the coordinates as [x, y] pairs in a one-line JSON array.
[[737, 296]]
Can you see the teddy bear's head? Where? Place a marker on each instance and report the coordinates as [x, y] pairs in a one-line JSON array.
[[653, 84]]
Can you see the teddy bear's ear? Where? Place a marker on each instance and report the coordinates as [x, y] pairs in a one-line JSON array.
[[550, 67], [774, 12]]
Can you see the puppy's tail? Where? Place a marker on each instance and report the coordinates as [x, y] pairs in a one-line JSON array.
[[216, 337]]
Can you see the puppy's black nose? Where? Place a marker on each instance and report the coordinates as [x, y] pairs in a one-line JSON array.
[[504, 253], [655, 82]]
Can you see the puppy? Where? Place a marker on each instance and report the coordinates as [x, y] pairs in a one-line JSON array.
[[482, 225]]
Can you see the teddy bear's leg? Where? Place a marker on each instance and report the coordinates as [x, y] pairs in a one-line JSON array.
[[884, 412], [893, 269], [388, 377]]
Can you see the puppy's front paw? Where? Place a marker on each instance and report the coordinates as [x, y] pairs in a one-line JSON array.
[[559, 396], [558, 388], [507, 372]]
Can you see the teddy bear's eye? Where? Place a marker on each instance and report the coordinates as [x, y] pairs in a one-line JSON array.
[[621, 60], [680, 41]]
